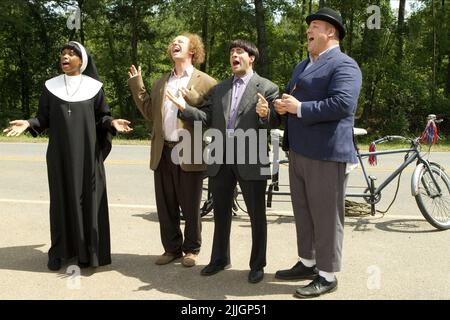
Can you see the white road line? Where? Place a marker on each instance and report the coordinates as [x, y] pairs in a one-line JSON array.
[[25, 201], [112, 205], [269, 211], [40, 159], [377, 216]]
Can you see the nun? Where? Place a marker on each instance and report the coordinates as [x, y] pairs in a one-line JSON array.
[[73, 109]]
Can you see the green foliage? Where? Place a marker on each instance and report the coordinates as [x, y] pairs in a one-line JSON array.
[[397, 94]]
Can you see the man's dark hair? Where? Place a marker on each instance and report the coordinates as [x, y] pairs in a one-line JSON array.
[[248, 46]]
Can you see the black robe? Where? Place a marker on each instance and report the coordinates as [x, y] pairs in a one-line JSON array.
[[79, 140]]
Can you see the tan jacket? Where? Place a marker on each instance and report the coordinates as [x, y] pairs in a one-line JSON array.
[[151, 106]]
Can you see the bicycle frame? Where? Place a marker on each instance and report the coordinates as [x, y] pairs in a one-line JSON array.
[[372, 193]]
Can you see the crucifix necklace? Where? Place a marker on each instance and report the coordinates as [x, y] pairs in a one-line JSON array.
[[71, 95]]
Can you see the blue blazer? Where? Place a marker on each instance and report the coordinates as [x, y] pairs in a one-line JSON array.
[[329, 92]]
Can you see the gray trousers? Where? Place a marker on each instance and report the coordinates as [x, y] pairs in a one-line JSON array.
[[318, 200]]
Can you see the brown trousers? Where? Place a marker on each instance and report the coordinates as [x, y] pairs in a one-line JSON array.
[[175, 189]]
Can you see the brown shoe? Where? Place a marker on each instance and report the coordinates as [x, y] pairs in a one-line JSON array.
[[189, 259], [167, 257]]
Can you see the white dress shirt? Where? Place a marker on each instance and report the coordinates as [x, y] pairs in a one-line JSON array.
[[174, 84]]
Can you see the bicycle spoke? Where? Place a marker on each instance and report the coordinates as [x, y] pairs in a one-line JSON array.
[[434, 205]]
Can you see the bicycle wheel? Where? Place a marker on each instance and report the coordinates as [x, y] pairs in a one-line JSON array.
[[206, 204], [435, 206]]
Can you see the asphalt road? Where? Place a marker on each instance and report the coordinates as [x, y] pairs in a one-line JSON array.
[[398, 255]]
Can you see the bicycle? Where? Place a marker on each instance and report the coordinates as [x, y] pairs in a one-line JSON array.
[[430, 184]]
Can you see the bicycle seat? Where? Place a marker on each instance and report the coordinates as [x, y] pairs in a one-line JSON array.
[[359, 132]]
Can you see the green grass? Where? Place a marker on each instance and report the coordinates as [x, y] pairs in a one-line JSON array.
[[26, 138]]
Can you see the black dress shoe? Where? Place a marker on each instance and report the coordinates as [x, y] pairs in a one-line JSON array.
[[316, 288], [255, 276], [54, 264], [297, 272], [211, 269]]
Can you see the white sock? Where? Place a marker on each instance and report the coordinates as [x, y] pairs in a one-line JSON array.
[[308, 262], [329, 276]]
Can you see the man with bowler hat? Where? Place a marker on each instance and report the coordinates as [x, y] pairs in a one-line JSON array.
[[319, 106]]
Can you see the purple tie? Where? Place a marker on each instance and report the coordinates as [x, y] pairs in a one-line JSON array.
[[238, 84]]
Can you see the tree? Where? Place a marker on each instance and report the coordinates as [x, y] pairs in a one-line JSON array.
[[262, 46], [400, 30]]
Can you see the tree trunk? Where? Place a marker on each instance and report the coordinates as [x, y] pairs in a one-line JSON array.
[[262, 45], [80, 5], [310, 7], [125, 110], [24, 75], [302, 28], [134, 34], [350, 33], [433, 84], [205, 65], [400, 30], [447, 87], [321, 3], [43, 34]]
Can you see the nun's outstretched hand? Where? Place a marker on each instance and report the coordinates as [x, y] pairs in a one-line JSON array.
[[121, 125], [16, 128]]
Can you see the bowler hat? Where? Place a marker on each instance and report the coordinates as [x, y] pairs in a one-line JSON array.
[[328, 15]]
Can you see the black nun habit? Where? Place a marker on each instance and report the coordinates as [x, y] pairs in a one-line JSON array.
[[74, 110]]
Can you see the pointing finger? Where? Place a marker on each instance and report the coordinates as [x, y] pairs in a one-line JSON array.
[[262, 98]]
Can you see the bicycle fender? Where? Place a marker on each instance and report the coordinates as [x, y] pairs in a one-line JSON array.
[[415, 180]]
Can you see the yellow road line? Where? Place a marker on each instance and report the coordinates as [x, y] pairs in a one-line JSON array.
[[112, 205], [40, 159]]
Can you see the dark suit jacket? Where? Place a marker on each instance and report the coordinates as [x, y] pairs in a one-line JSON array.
[[152, 106], [215, 114], [329, 92]]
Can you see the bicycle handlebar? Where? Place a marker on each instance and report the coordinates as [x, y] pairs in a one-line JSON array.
[[415, 141], [390, 138], [432, 117]]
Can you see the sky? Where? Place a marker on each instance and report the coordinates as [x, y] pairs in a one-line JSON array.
[[411, 5]]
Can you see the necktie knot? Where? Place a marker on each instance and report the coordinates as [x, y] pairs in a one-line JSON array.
[[237, 94]]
